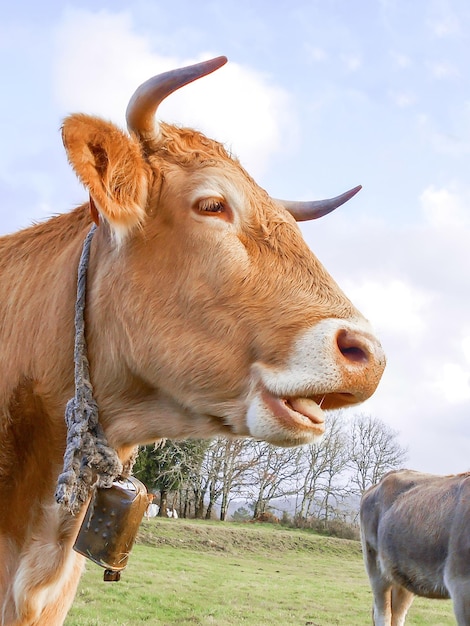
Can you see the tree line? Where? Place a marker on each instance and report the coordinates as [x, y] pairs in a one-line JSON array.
[[200, 477]]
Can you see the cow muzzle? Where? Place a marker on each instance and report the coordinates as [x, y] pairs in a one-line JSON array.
[[333, 365]]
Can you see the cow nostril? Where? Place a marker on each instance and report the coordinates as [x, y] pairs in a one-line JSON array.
[[353, 346]]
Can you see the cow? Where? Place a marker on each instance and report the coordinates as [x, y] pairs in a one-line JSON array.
[[206, 314], [151, 511], [415, 542]]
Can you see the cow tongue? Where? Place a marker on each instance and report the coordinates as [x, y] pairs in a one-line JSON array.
[[309, 408]]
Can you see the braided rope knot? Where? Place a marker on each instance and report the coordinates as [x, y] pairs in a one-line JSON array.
[[89, 461]]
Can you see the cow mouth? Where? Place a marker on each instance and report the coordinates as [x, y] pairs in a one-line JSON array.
[[296, 412]]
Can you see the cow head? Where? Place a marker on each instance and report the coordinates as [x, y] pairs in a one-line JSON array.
[[207, 314]]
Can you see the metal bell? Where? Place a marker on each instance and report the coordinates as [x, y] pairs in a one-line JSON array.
[[111, 523]]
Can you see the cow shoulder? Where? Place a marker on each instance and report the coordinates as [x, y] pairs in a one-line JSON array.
[[388, 488], [459, 503], [379, 498]]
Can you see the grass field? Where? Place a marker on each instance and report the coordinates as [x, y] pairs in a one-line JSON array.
[[192, 572]]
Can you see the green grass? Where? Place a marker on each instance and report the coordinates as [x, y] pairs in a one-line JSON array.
[[191, 572]]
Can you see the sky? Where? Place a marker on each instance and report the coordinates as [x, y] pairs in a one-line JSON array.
[[318, 96]]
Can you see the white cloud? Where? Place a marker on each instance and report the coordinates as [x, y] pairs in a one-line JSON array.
[[466, 347], [315, 53], [393, 306], [444, 70], [448, 142], [235, 105], [445, 26], [444, 208], [402, 99], [453, 380], [400, 60], [100, 76], [240, 108], [353, 62]]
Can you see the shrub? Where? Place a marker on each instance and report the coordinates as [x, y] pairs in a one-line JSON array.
[[334, 528], [241, 515], [267, 517]]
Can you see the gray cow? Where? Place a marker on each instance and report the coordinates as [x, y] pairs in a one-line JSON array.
[[416, 542]]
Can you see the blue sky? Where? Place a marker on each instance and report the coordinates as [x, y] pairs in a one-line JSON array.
[[318, 96]]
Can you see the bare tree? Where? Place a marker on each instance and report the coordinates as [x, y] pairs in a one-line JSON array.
[[196, 483], [335, 459], [373, 451], [352, 456], [227, 463], [323, 465], [273, 475]]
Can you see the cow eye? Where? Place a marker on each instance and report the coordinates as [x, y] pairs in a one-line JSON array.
[[214, 207], [211, 206]]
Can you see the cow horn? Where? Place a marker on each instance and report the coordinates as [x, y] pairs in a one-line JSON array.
[[303, 211], [146, 99]]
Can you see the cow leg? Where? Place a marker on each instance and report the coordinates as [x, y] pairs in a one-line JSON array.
[[460, 594], [382, 609], [401, 602], [381, 588]]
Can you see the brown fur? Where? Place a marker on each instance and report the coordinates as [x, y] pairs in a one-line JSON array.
[[180, 305]]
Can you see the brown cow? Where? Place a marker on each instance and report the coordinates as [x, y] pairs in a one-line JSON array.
[[416, 542], [206, 315]]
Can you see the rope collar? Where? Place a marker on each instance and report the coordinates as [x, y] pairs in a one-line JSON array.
[[89, 461]]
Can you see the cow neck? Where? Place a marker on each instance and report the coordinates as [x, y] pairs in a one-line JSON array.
[[89, 461]]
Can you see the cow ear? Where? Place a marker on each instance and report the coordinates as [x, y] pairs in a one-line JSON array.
[[110, 164]]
